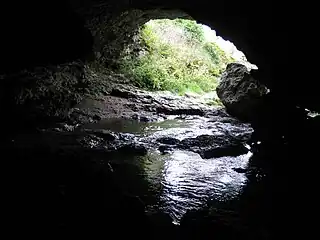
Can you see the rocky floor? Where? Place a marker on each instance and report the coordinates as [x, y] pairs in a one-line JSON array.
[[125, 101], [222, 134], [82, 164]]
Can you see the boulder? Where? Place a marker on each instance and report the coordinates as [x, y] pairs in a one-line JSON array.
[[168, 140], [211, 146], [239, 92], [102, 133]]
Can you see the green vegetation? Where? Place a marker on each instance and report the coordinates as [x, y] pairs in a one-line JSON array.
[[175, 56]]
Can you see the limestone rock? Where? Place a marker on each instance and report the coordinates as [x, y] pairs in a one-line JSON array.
[[239, 92], [211, 146]]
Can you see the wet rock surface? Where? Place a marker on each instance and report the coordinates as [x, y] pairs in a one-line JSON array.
[[225, 135], [214, 146], [149, 157], [129, 102], [132, 120], [168, 141]]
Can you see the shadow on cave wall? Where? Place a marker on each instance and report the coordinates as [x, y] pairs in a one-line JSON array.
[[36, 34], [43, 46]]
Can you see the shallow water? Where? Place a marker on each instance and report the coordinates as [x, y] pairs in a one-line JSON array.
[[177, 127], [188, 182], [180, 180]]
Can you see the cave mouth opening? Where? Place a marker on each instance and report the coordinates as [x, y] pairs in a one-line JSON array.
[[179, 55], [96, 185]]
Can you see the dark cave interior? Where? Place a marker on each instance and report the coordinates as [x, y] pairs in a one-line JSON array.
[[58, 32]]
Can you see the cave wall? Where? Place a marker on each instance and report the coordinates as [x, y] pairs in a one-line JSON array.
[[35, 33], [116, 34], [248, 25]]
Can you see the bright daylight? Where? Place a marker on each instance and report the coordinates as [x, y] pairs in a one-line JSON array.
[[180, 56]]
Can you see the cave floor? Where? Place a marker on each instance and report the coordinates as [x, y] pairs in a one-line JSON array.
[[98, 171]]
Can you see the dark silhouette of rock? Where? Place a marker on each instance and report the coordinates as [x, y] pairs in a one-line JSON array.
[[210, 146], [105, 134], [168, 141], [240, 170]]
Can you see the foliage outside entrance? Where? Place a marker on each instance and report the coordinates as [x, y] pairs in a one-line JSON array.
[[175, 56]]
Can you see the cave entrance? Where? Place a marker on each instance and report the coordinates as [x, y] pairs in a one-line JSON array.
[[179, 55], [198, 152]]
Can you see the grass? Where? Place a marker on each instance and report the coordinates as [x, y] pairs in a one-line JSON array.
[[175, 56]]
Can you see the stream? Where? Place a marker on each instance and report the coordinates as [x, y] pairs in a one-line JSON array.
[[178, 179], [145, 162]]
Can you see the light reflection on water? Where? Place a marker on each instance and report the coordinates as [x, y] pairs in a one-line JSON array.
[[182, 180], [177, 128], [188, 181]]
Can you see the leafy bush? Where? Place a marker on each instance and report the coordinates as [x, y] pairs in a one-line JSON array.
[[175, 57], [218, 56], [193, 30]]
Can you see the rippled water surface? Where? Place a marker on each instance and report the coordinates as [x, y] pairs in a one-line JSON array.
[[181, 180], [187, 181]]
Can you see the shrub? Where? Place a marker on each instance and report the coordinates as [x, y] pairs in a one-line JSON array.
[[175, 57]]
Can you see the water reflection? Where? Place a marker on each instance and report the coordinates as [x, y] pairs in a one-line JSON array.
[[180, 180], [176, 127], [186, 181]]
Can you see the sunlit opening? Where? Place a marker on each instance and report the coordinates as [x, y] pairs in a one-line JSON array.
[[227, 47], [179, 56]]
